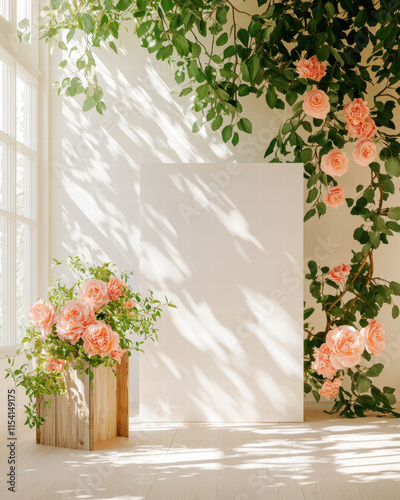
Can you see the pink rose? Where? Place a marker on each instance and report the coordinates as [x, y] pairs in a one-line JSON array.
[[330, 389], [322, 364], [94, 294], [339, 273], [42, 314], [100, 339], [356, 111], [316, 104], [116, 287], [117, 354], [366, 128], [347, 345], [73, 319], [52, 364], [335, 197], [364, 151], [374, 337], [336, 162], [130, 304], [311, 68]]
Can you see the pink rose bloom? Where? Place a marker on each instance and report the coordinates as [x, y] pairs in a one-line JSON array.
[[374, 337], [311, 68], [316, 104], [116, 287], [130, 304], [42, 314], [94, 294], [347, 345], [100, 339], [336, 162], [339, 273], [335, 197], [117, 354], [330, 389], [364, 151], [73, 319], [322, 364], [356, 111], [366, 128], [56, 365]]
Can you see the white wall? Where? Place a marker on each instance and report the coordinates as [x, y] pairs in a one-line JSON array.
[[95, 171]]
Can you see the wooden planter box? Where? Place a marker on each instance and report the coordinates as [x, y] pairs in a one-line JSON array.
[[83, 417]]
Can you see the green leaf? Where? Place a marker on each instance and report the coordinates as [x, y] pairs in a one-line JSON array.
[[101, 107], [312, 194], [235, 139], [330, 10], [243, 36], [70, 34], [89, 103], [227, 133], [374, 238], [395, 287], [215, 125], [254, 66], [291, 98], [271, 97], [323, 53], [375, 370], [306, 155], [25, 23], [316, 395], [310, 214], [392, 166], [62, 45], [56, 4], [221, 15], [197, 126], [245, 125], [363, 384], [123, 4], [395, 312], [222, 39], [336, 55], [181, 44], [88, 23], [394, 213], [286, 128], [312, 266], [167, 5]]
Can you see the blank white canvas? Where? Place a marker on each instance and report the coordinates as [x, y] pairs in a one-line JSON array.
[[225, 243]]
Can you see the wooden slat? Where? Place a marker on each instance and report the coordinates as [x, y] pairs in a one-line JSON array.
[[103, 406], [46, 433], [123, 397], [72, 423], [82, 418]]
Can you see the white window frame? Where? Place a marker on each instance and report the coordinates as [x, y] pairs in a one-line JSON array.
[[24, 59]]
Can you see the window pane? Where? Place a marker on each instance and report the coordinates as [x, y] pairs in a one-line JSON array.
[[3, 178], [4, 97], [24, 10], [25, 274], [5, 9], [25, 186], [2, 281], [25, 113]]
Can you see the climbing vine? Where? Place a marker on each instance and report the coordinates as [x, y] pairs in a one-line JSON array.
[[336, 64]]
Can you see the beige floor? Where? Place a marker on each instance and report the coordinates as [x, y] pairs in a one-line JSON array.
[[325, 458]]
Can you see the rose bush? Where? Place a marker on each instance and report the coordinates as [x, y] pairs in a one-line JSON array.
[[93, 322]]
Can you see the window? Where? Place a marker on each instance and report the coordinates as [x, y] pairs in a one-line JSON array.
[[18, 178]]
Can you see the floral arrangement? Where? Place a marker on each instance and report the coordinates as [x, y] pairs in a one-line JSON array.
[[93, 322], [336, 64]]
